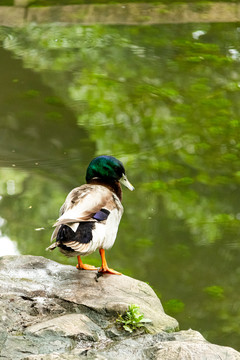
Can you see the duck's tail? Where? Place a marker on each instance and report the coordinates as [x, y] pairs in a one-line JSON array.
[[53, 246]]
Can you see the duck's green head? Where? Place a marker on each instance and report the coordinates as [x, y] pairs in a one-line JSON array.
[[107, 168]]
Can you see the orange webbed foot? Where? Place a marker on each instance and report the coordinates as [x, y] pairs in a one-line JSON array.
[[81, 266], [86, 267], [104, 269], [107, 270]]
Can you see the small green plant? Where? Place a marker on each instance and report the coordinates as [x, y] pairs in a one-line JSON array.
[[133, 319]]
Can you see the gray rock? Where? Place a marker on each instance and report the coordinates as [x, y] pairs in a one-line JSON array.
[[51, 311], [71, 325]]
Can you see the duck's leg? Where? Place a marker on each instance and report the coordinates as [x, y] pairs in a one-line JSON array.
[[81, 266], [104, 268]]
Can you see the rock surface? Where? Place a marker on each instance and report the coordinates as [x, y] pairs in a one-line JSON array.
[[53, 311]]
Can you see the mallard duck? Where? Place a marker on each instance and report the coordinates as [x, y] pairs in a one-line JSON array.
[[91, 213]]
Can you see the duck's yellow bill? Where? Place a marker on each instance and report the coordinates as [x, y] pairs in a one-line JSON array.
[[126, 183]]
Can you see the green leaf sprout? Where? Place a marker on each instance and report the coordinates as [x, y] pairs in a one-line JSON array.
[[133, 319]]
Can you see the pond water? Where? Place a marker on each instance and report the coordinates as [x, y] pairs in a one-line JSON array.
[[164, 100]]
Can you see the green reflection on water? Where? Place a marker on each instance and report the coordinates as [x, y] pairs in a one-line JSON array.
[[163, 99]]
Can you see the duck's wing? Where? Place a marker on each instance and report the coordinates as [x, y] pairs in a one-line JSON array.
[[83, 204]]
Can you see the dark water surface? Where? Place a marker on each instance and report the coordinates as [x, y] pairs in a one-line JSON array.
[[164, 100]]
